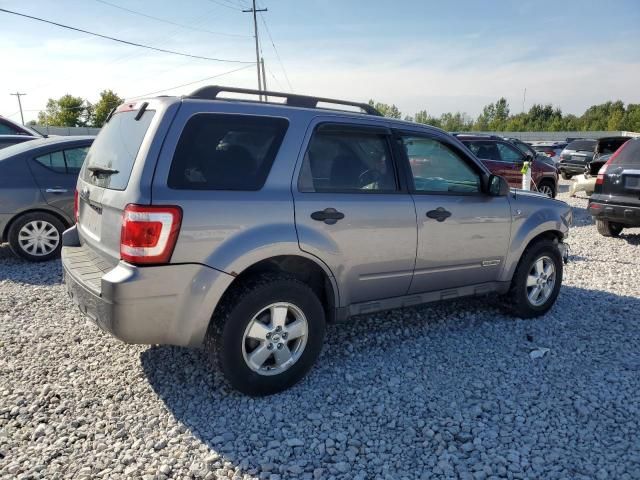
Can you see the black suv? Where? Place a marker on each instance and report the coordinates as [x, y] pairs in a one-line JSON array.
[[615, 203], [579, 153]]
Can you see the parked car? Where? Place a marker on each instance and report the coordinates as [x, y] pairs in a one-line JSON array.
[[9, 140], [503, 158], [245, 226], [527, 149], [37, 184], [579, 153], [9, 127], [550, 149], [615, 202]]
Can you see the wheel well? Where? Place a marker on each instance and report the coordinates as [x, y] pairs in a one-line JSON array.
[[60, 217], [302, 268], [552, 235]]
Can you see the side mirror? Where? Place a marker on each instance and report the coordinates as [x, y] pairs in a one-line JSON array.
[[498, 186]]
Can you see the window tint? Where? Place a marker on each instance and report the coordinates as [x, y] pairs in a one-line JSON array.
[[226, 152], [348, 160], [438, 168], [629, 154], [53, 161], [483, 149], [509, 153], [74, 158], [582, 145], [116, 147], [605, 147], [6, 129]]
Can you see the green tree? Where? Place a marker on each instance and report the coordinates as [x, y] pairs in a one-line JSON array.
[[423, 117], [390, 111], [67, 111], [108, 101], [455, 122]]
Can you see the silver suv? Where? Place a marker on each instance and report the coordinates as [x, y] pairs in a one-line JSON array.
[[246, 226]]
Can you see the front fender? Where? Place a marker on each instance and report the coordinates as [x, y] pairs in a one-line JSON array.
[[531, 218]]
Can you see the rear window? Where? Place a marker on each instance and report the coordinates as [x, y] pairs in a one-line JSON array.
[[629, 154], [610, 145], [226, 152], [582, 145], [116, 148]]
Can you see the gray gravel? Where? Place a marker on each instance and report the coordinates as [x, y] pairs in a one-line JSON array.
[[452, 391]]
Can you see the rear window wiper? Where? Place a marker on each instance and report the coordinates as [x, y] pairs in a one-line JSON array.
[[102, 171]]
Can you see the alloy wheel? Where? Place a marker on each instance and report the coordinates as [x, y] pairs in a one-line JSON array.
[[275, 338], [541, 281]]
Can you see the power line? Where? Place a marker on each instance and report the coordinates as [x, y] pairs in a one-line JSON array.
[[126, 42], [190, 83], [266, 27], [189, 27], [217, 2]]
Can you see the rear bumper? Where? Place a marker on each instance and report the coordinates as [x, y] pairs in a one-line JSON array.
[[573, 169], [623, 214], [167, 304]]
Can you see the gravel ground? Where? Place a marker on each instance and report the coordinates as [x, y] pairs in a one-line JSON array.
[[447, 391]]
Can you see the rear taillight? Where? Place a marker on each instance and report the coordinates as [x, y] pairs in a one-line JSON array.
[[149, 233], [76, 206]]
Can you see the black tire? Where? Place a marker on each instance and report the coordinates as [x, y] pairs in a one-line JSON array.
[[38, 255], [548, 183], [225, 342], [518, 299], [566, 176], [608, 229]]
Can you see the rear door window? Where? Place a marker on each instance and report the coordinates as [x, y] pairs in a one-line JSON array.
[[483, 149], [53, 161], [629, 154], [345, 159], [116, 148], [509, 154], [226, 152]]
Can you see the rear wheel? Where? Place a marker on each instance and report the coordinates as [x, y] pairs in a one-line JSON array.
[[608, 229], [267, 334], [547, 187], [566, 176], [537, 280], [36, 236]]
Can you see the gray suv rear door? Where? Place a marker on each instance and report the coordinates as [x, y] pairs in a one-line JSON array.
[[463, 234], [352, 211]]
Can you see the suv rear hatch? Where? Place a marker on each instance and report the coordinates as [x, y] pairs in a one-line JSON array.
[[116, 174], [578, 153], [619, 178]]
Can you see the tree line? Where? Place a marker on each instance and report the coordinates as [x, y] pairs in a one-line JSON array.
[[497, 117], [70, 111]]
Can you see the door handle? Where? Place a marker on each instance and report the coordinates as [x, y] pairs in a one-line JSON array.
[[56, 190], [328, 216], [439, 214]]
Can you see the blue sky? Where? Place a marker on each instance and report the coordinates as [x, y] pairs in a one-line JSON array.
[[433, 55]]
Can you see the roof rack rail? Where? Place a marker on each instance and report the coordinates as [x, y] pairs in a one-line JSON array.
[[211, 93]]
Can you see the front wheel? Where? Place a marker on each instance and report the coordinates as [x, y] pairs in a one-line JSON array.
[[548, 188], [267, 334], [537, 280], [608, 229]]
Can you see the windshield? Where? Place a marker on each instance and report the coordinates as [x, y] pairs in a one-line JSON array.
[[116, 148]]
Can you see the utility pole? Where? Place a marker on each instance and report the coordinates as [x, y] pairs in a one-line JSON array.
[[524, 97], [18, 94], [255, 30], [264, 79]]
